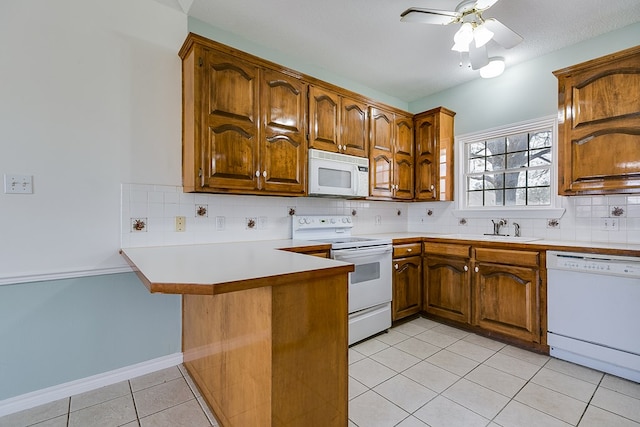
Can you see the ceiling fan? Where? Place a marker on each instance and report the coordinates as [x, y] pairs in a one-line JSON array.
[[475, 31]]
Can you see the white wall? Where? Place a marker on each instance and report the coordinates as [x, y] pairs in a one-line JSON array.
[[90, 97]]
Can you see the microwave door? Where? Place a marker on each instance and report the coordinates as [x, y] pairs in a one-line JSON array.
[[334, 180]]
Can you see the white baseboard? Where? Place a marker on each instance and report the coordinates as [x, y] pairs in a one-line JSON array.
[[50, 394]]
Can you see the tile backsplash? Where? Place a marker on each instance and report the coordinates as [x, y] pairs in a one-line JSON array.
[[211, 218], [148, 217]]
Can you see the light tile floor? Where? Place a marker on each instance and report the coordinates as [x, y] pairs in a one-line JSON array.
[[421, 373]]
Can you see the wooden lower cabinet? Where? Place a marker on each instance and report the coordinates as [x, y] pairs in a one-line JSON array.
[[446, 281], [498, 292], [407, 286], [506, 293]]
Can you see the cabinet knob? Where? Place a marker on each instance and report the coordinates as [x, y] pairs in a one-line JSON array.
[[396, 266], [432, 187], [476, 269], [466, 268], [409, 250], [264, 173]]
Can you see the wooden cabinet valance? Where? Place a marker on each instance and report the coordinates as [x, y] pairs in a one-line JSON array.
[[599, 125]]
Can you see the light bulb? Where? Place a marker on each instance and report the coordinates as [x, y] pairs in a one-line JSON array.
[[482, 35], [494, 68], [464, 35]]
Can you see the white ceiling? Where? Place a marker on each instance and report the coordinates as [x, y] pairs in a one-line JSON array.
[[364, 40]]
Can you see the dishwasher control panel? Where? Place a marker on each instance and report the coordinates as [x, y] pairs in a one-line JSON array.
[[594, 263]]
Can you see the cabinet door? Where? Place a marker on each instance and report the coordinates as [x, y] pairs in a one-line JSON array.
[[231, 117], [354, 135], [599, 130], [284, 152], [447, 288], [507, 300], [407, 285], [381, 153], [426, 160], [403, 158], [324, 119]]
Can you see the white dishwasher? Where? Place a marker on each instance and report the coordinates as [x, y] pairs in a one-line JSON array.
[[593, 304]]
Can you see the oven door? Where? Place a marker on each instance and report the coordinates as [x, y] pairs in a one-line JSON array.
[[370, 283]]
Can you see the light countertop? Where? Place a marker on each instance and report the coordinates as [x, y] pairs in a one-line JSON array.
[[201, 267]]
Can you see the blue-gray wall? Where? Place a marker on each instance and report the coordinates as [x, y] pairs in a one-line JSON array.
[[59, 331]]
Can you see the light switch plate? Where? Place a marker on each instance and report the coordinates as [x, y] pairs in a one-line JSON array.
[[18, 184]]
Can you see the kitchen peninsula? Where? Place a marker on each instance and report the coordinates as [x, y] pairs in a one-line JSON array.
[[264, 331]]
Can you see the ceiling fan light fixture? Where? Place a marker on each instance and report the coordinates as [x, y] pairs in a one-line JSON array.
[[482, 35], [460, 47], [464, 35], [494, 68]]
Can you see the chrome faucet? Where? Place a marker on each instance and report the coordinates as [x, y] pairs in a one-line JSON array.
[[516, 231], [497, 225]]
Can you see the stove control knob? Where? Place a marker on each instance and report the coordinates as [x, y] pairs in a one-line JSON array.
[[301, 220], [349, 220], [307, 221], [344, 220], [333, 220]]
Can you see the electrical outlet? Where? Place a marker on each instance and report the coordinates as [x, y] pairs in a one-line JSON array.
[[220, 223], [610, 224], [181, 223], [18, 184]]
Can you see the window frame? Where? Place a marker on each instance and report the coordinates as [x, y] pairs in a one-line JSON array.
[[523, 211]]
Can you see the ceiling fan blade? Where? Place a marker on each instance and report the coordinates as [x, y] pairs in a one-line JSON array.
[[429, 16], [478, 56], [485, 4], [502, 34]]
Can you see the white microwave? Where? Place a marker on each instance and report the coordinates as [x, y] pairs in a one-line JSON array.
[[338, 175]]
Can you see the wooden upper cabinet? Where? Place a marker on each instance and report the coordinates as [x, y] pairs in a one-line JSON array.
[[284, 153], [231, 117], [434, 168], [244, 125], [599, 125], [391, 154], [337, 123], [403, 158]]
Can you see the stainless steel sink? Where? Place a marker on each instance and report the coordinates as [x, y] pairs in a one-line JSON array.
[[492, 237]]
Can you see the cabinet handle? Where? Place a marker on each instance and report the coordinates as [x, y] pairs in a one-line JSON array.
[[396, 266], [466, 268], [476, 269]]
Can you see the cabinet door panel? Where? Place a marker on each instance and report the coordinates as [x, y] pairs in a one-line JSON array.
[[230, 156], [355, 128], [446, 288], [324, 119], [407, 284], [284, 155], [403, 156], [381, 153], [426, 158], [507, 300]]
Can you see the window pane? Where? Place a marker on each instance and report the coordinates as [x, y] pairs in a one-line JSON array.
[[494, 181], [539, 178], [496, 163], [517, 143], [515, 179], [476, 150], [540, 139], [496, 146], [476, 165], [474, 198], [493, 198], [474, 183], [539, 196], [540, 157], [517, 160]]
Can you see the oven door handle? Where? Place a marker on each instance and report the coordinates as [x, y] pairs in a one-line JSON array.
[[342, 254]]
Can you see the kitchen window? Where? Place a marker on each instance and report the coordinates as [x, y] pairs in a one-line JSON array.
[[512, 168]]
